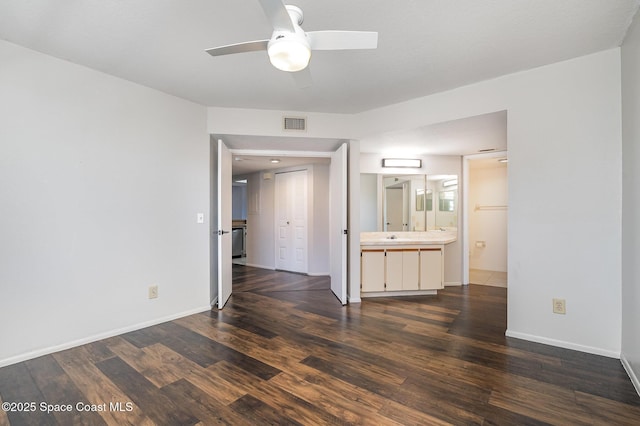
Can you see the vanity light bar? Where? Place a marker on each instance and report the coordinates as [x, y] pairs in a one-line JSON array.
[[402, 162]]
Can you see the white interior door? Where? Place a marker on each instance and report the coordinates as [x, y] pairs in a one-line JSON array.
[[224, 224], [291, 221], [338, 222]]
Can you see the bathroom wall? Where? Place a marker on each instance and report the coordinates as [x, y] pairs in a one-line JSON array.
[[369, 202]]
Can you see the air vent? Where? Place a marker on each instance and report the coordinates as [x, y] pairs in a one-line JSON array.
[[295, 124]]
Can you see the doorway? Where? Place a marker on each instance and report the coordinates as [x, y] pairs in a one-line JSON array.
[[487, 208], [260, 200]]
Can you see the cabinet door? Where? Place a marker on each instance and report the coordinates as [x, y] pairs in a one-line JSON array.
[[410, 270], [394, 269], [372, 273], [431, 269]]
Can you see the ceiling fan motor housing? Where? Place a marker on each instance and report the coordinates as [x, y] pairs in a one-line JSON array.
[[297, 17]]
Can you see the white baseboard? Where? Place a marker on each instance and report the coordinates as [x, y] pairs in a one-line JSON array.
[[400, 293], [354, 299], [630, 372], [68, 345], [318, 274], [563, 344], [452, 284]]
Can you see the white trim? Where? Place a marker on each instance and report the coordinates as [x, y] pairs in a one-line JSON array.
[[453, 284], [68, 345], [354, 299], [318, 274], [563, 344], [400, 293], [630, 372]]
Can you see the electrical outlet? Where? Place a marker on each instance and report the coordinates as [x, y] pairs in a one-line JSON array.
[[153, 291], [559, 306]]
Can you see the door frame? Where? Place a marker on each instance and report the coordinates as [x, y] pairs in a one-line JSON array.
[[353, 173], [466, 207]]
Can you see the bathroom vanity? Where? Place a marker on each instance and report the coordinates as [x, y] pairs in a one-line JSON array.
[[407, 220], [405, 263]]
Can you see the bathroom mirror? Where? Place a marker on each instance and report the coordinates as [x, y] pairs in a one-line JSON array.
[[444, 192], [394, 203], [398, 203]]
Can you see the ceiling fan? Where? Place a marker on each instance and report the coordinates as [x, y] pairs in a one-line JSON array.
[[290, 47]]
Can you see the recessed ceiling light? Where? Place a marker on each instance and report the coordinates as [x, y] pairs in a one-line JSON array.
[[503, 160], [275, 160], [238, 158], [487, 150]]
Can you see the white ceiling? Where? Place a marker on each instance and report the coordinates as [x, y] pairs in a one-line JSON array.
[[246, 164], [425, 47]]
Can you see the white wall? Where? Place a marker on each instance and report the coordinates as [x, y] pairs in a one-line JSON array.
[[488, 187], [261, 221], [319, 249], [369, 202], [631, 202], [259, 122], [100, 182], [564, 131]]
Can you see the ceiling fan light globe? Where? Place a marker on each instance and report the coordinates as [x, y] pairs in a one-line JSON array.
[[289, 54]]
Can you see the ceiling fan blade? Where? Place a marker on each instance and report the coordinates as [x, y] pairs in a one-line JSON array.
[[302, 78], [248, 46], [277, 14], [342, 40]]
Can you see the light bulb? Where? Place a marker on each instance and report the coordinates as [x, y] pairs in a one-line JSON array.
[[289, 53]]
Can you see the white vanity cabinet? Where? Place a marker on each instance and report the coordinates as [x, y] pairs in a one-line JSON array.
[[403, 269], [432, 269], [372, 267], [393, 269]]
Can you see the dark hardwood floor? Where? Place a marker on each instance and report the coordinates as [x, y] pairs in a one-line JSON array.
[[283, 351]]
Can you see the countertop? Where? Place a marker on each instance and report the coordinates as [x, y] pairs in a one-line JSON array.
[[408, 238]]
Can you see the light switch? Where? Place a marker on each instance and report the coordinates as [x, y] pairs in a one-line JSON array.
[[200, 218]]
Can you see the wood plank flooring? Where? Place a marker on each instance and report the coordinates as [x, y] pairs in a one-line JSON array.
[[283, 351]]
